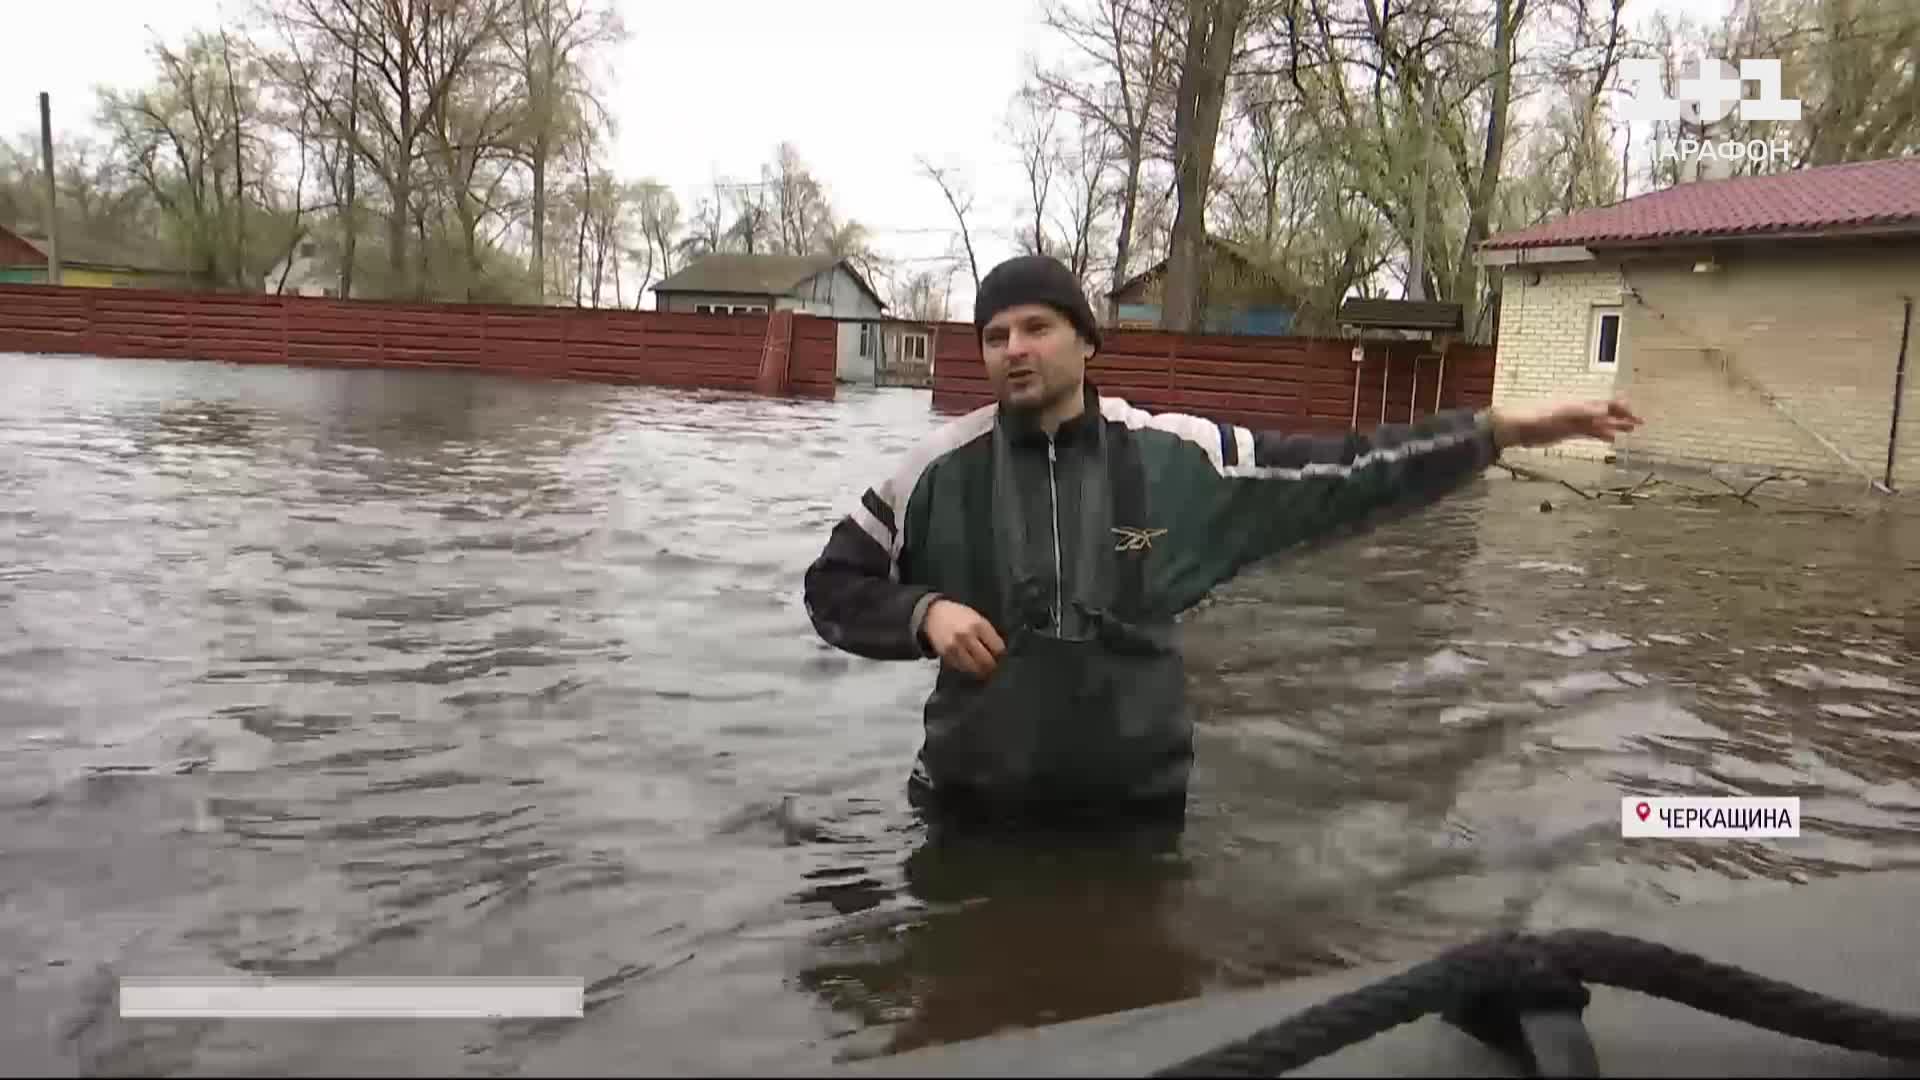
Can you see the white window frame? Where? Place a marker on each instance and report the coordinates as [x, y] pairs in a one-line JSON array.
[[913, 347], [866, 340], [729, 309], [1601, 313]]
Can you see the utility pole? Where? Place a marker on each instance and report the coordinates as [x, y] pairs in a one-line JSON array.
[[53, 214]]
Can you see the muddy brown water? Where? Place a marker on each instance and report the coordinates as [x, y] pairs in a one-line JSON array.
[[354, 673]]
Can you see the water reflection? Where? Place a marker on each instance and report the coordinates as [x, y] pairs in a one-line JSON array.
[[1012, 932]]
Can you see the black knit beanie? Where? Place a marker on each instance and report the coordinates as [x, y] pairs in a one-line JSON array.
[[1034, 279]]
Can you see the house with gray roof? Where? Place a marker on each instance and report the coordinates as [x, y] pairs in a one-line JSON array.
[[825, 285]]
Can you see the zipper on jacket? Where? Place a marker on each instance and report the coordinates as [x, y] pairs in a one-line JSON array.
[[1059, 588]]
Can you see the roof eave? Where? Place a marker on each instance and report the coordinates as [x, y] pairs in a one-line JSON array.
[[1591, 247], [1419, 315], [861, 281], [1535, 253], [1137, 279], [1844, 232]]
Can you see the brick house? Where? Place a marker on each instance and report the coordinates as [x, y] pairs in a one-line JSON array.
[[1760, 321]]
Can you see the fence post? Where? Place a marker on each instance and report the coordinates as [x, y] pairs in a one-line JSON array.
[[776, 355]]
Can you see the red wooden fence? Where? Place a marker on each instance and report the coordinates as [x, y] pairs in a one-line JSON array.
[[778, 354], [1280, 383]]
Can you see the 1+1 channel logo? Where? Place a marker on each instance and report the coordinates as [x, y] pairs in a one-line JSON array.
[[1715, 92]]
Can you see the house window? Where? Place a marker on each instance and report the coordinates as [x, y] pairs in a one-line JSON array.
[[729, 309], [1604, 354], [866, 339], [913, 348]]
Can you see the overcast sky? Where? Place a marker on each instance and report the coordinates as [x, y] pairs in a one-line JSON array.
[[704, 90]]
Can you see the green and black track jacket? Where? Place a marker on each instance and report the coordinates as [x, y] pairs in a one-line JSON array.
[[1081, 549]]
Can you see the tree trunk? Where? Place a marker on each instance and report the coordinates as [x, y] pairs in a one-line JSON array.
[[397, 241], [421, 276], [1213, 28], [580, 243], [1423, 183], [353, 168], [1466, 284], [241, 279], [579, 260], [470, 226], [402, 195], [540, 221], [599, 259], [1270, 186], [1123, 246]]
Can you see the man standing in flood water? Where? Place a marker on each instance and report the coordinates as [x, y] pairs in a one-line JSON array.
[[1041, 548]]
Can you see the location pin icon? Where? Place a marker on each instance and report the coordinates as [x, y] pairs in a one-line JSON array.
[[1643, 810]]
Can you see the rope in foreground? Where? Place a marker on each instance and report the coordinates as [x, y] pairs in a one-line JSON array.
[[1523, 994]]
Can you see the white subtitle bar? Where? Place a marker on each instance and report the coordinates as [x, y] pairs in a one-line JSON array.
[[1719, 818], [268, 998]]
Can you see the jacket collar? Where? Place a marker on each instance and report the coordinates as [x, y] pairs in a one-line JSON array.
[[1023, 429]]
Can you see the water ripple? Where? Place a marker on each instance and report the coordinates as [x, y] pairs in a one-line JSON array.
[[378, 672]]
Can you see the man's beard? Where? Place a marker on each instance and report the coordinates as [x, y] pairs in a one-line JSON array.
[[1051, 396]]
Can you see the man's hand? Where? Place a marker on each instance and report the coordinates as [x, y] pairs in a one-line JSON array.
[[1544, 425], [963, 638]]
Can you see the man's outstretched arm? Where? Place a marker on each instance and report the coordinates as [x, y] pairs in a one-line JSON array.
[[1265, 492], [854, 594]]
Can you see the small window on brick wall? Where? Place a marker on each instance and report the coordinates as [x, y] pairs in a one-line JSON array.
[[1603, 353]]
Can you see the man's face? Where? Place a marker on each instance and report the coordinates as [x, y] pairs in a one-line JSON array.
[[1035, 358]]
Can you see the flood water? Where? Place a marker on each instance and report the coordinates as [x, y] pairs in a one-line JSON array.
[[355, 673]]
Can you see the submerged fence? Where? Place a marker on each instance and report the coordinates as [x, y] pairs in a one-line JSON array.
[[777, 354], [1283, 383]]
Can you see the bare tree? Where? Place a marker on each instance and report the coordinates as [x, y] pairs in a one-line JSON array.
[[410, 57], [922, 296], [470, 138], [960, 201], [754, 229], [549, 41], [234, 114], [801, 208], [181, 139], [1031, 125], [1129, 48], [706, 230], [659, 225]]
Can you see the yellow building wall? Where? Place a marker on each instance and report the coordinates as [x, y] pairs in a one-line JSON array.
[[1743, 366], [94, 279]]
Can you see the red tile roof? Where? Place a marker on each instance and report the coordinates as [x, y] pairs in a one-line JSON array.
[[15, 251], [1830, 198]]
